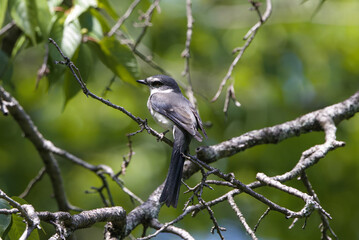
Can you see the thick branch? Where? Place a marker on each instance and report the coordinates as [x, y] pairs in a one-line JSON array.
[[67, 223], [304, 124], [27, 212]]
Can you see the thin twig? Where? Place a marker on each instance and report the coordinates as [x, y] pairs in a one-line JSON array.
[[32, 183], [261, 218], [230, 96], [127, 160], [122, 19], [248, 38], [186, 54], [241, 217], [75, 72], [256, 6], [147, 17], [310, 203], [154, 223], [43, 70], [325, 226], [7, 27], [108, 87], [247, 189]]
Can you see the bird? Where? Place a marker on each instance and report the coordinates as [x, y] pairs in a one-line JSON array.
[[174, 112]]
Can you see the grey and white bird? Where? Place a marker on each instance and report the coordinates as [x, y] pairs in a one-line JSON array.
[[174, 112]]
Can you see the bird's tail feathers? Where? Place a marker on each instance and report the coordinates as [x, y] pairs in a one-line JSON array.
[[170, 192]]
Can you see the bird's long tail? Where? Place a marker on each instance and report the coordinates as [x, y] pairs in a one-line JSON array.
[[172, 186]]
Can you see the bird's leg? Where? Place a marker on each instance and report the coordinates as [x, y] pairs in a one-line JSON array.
[[162, 135]]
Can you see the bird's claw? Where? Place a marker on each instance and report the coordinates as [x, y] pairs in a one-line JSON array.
[[162, 135]]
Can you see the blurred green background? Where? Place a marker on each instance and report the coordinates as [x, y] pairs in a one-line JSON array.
[[295, 65]]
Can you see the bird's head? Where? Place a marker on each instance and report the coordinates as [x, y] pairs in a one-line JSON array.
[[160, 83]]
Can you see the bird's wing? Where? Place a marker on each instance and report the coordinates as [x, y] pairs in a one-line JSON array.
[[179, 110], [199, 122]]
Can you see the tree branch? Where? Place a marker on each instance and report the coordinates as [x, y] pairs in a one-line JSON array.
[[275, 134], [186, 54], [248, 38], [241, 217], [87, 92], [31, 132], [147, 17], [31, 184], [122, 19], [68, 223], [27, 212]]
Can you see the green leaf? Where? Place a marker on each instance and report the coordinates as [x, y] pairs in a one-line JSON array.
[[79, 7], [67, 36], [5, 220], [3, 7], [84, 60], [19, 200], [102, 20], [105, 4], [6, 67], [45, 18], [71, 38], [24, 13], [18, 226], [56, 71], [92, 26], [20, 44], [117, 57]]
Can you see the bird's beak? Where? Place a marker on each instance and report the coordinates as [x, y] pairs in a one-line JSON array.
[[142, 81]]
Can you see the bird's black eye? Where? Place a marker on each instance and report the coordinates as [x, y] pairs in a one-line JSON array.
[[156, 84]]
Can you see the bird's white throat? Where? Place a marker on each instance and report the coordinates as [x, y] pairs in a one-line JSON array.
[[159, 90]]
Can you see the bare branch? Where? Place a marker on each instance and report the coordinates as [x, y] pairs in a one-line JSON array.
[[147, 17], [98, 170], [9, 211], [67, 223], [108, 87], [7, 27], [186, 54], [249, 38], [241, 217], [304, 124], [261, 218], [87, 92], [154, 223], [32, 133], [31, 184], [324, 226], [247, 189], [147, 59], [122, 19], [310, 203], [27, 212], [43, 70], [262, 20], [230, 96]]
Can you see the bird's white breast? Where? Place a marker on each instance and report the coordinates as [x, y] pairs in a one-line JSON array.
[[159, 118]]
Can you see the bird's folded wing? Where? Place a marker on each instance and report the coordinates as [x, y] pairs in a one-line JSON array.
[[178, 109]]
